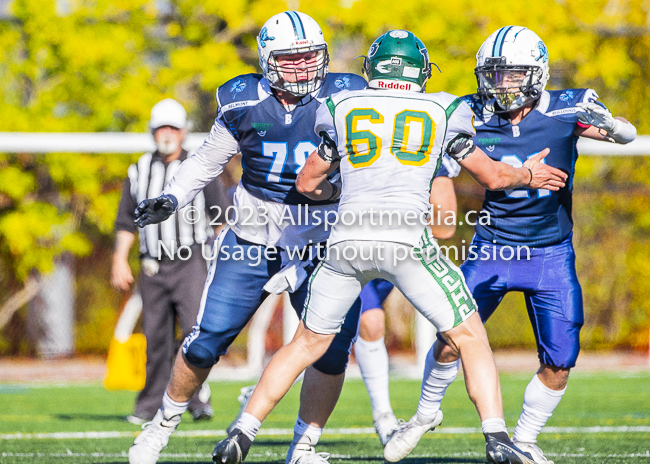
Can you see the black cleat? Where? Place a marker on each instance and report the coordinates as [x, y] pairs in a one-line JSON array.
[[232, 450], [500, 450]]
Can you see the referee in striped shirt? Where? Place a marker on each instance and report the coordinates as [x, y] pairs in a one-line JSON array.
[[171, 284]]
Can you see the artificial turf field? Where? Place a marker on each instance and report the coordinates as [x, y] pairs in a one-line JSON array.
[[602, 418]]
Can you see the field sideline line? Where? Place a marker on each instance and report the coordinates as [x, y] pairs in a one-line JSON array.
[[289, 432], [470, 454]]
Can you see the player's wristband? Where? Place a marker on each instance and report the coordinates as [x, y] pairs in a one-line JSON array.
[[531, 175], [327, 149], [172, 198], [336, 192]]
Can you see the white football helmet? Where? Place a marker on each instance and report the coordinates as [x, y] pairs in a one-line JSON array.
[[511, 68], [291, 33]]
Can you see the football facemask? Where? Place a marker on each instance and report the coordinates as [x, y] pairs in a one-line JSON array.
[[299, 73], [510, 87], [511, 69], [293, 54]]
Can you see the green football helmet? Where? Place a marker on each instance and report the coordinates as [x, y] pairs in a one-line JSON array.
[[397, 60]]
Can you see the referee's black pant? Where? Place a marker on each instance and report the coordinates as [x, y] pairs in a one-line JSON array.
[[174, 293]]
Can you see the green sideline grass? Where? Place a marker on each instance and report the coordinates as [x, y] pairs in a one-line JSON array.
[[607, 400]]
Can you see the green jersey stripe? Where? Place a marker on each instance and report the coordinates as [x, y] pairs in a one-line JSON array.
[[330, 105], [451, 108]]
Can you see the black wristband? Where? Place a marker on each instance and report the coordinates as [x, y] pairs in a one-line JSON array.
[[335, 192], [531, 175]]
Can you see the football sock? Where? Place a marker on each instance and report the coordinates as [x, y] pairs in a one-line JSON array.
[[494, 425], [248, 425], [437, 377], [372, 359], [173, 408], [539, 404], [305, 433]]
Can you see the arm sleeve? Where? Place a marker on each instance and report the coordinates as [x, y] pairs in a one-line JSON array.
[[126, 209], [216, 195], [204, 165], [460, 121], [460, 130], [325, 119]]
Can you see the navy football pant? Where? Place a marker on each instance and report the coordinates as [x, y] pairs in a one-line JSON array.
[[233, 292], [550, 286], [374, 293]]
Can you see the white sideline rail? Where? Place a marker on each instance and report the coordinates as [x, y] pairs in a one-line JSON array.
[[86, 142], [130, 142]]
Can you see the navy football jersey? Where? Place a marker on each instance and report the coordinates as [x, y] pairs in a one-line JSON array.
[[528, 216], [274, 143]]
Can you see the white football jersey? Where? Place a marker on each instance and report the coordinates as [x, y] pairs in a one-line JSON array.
[[391, 144]]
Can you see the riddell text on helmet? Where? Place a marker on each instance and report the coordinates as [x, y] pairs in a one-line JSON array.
[[393, 85]]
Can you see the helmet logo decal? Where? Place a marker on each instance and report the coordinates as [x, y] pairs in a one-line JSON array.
[[373, 49], [395, 60], [399, 34], [264, 36], [237, 87], [342, 82], [383, 66], [543, 52]]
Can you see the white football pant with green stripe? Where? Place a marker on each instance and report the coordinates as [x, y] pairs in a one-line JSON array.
[[429, 280]]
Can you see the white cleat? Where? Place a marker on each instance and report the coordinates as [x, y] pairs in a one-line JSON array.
[[244, 396], [147, 446], [386, 425], [302, 453], [534, 450], [407, 437], [135, 420]]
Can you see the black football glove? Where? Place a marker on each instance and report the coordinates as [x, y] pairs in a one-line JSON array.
[[155, 210]]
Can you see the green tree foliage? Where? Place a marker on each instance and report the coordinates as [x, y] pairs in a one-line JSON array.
[[100, 65], [84, 70]]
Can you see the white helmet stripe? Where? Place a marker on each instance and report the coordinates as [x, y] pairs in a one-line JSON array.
[[498, 42], [297, 25]]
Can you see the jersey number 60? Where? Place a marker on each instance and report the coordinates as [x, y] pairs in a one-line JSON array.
[[364, 147]]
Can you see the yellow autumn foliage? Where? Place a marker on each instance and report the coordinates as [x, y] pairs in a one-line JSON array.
[[100, 65]]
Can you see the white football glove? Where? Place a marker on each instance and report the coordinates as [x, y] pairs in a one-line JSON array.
[[595, 115]]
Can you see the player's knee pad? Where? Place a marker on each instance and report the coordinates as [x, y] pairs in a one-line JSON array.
[[564, 357], [202, 349], [200, 356], [560, 346], [564, 362], [334, 361], [440, 338]]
